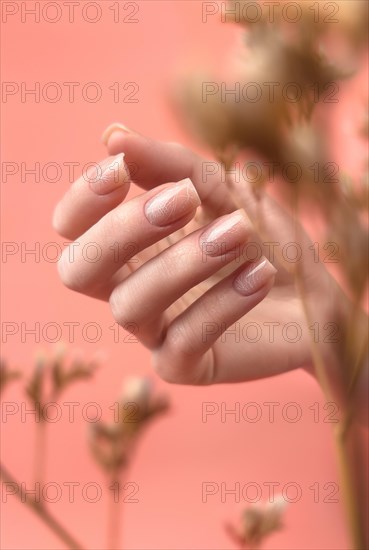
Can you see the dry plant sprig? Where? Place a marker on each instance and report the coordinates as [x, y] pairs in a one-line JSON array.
[[257, 522], [112, 443], [34, 390], [280, 131], [263, 120], [309, 20], [52, 375], [7, 375], [53, 523]]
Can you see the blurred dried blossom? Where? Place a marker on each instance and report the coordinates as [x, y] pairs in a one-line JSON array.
[[251, 112], [79, 369], [277, 85], [51, 375], [111, 443], [344, 20], [54, 373], [257, 522], [57, 372], [7, 375]]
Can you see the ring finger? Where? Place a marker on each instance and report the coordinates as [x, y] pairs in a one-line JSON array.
[[142, 298]]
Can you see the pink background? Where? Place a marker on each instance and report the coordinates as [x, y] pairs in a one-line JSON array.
[[179, 452]]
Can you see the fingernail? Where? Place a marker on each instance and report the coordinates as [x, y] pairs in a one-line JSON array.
[[108, 176], [173, 203], [254, 277], [115, 127], [225, 234]]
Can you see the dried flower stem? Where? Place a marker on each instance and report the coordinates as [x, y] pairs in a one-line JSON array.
[[345, 434], [352, 337], [317, 359], [342, 441], [40, 452], [114, 512], [345, 437], [346, 444], [39, 509]]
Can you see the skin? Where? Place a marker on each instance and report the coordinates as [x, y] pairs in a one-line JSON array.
[[168, 268]]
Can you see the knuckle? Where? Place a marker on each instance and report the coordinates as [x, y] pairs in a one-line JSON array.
[[180, 339], [167, 375], [174, 369], [175, 260], [117, 218], [167, 370], [120, 310], [69, 276], [176, 145], [116, 306]]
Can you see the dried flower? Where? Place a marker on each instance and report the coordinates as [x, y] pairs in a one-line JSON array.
[[257, 522], [281, 130], [6, 375], [79, 369], [112, 443], [276, 86], [308, 20], [52, 375], [34, 389]]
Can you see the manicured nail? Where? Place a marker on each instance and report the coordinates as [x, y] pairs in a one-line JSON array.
[[254, 277], [225, 234], [173, 203], [108, 176], [115, 127]]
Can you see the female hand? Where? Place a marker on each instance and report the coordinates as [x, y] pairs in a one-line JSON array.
[[176, 266]]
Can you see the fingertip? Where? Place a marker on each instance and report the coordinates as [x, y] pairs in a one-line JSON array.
[[112, 128], [59, 224], [55, 221], [115, 142]]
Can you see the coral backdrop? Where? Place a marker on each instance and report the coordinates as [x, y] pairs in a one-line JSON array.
[[182, 450]]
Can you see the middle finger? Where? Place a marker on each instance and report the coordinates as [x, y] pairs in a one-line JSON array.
[[89, 263]]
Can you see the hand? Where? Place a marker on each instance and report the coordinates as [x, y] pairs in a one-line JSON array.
[[178, 291]]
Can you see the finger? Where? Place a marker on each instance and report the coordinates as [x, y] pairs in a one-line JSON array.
[[152, 162], [186, 355], [141, 300], [88, 264], [95, 193]]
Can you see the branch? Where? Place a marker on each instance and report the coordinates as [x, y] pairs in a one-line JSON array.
[[40, 510]]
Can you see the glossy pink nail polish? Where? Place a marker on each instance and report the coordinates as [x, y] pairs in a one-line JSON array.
[[108, 175], [254, 277], [173, 203], [227, 233]]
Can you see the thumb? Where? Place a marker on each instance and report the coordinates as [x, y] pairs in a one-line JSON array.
[[152, 162]]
